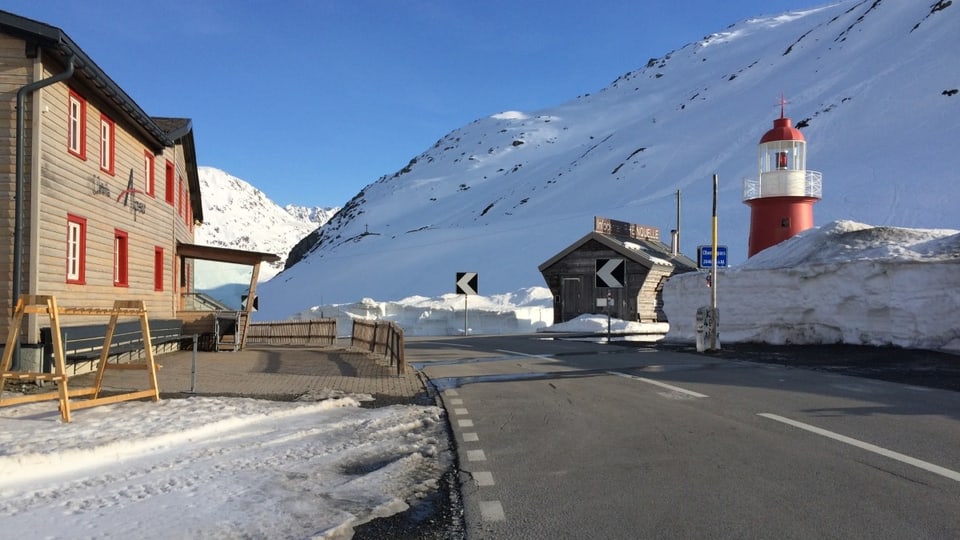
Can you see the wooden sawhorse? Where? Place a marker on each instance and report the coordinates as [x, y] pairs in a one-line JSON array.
[[48, 304]]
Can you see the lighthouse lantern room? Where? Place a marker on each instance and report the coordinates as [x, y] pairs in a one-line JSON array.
[[781, 199]]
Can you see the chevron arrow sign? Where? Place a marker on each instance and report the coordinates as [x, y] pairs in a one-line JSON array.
[[467, 283], [610, 273]]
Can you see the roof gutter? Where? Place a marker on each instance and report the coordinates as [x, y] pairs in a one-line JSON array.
[[18, 222]]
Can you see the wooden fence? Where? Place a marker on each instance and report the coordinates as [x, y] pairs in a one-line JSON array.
[[313, 332], [381, 337]]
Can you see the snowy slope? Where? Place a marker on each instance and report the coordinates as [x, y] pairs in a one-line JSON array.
[[873, 84], [240, 216]]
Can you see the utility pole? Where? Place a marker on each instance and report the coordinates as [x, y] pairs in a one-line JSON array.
[[714, 311]]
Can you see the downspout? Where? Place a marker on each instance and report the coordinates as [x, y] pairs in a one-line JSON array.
[[18, 220]]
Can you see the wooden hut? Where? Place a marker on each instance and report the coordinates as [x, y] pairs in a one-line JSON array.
[[619, 266]]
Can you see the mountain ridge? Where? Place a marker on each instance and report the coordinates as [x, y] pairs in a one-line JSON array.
[[505, 192]]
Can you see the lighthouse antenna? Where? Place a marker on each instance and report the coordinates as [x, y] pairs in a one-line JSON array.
[[783, 101]]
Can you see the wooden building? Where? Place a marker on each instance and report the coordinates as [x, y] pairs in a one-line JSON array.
[[98, 200], [629, 255]]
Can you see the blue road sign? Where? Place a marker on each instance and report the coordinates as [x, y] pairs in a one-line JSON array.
[[705, 255]]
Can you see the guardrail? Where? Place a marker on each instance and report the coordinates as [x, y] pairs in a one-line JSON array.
[[312, 332], [381, 337]]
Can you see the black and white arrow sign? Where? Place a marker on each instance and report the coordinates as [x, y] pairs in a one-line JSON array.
[[610, 273], [467, 283]]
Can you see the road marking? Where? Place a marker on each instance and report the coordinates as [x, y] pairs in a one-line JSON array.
[[456, 401], [460, 412], [470, 437], [660, 384], [491, 511], [465, 423], [452, 392], [515, 353], [476, 455], [935, 469], [483, 478]]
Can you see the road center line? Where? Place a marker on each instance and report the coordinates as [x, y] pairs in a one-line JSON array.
[[547, 356], [935, 469], [660, 384]]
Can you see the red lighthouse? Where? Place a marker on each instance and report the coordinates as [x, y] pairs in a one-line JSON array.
[[781, 199]]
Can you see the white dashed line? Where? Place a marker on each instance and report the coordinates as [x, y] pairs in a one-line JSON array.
[[935, 469], [456, 401], [460, 412], [660, 384], [483, 478], [470, 437], [452, 392], [476, 455], [465, 423], [491, 511]]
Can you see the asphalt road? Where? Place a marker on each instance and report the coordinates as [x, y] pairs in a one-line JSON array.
[[566, 439]]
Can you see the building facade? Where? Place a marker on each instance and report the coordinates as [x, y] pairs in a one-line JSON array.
[[618, 268], [96, 197]]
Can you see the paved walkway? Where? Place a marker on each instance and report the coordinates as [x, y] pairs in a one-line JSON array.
[[268, 371]]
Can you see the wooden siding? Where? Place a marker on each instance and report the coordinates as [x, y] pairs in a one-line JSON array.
[[13, 76], [571, 278], [68, 184]]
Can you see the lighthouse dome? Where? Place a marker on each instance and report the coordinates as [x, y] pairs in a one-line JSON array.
[[782, 131]]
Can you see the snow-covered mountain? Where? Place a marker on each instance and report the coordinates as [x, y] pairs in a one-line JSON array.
[[239, 216], [873, 85]]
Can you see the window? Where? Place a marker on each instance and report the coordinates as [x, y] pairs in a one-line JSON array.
[[120, 258], [148, 175], [107, 145], [180, 196], [168, 183], [157, 268], [76, 249], [76, 125]]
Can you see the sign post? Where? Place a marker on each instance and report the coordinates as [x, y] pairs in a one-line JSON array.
[[467, 284], [705, 256]]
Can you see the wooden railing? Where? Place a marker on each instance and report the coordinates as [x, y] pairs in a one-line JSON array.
[[313, 332], [381, 337]]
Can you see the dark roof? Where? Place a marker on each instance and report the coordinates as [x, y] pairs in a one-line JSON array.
[[181, 130], [237, 256], [647, 252], [159, 132], [39, 35]]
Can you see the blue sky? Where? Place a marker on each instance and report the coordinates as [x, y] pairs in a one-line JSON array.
[[311, 100]]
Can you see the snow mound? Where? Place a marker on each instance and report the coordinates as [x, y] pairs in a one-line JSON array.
[[845, 282]]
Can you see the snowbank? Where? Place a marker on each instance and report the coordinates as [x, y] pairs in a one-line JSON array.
[[845, 282], [524, 310]]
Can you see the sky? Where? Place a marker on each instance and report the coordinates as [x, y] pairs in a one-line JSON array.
[[226, 467], [310, 100]]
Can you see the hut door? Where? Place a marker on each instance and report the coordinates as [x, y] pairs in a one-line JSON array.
[[570, 299]]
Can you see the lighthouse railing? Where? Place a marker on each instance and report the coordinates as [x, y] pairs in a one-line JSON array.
[[753, 188]]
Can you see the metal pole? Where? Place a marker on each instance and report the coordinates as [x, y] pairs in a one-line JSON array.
[[714, 345], [678, 221], [193, 370], [465, 327]]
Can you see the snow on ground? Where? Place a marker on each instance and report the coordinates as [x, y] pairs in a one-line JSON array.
[[208, 467], [234, 467], [524, 310], [845, 282]]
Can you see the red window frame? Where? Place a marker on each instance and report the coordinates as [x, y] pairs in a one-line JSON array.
[[149, 173], [76, 259], [180, 196], [170, 185], [158, 268], [76, 125], [121, 258], [108, 145]]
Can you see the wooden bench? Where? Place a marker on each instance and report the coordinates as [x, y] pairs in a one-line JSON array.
[[86, 342]]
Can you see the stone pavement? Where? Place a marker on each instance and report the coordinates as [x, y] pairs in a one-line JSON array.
[[275, 372]]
